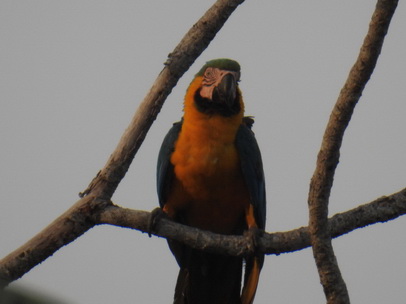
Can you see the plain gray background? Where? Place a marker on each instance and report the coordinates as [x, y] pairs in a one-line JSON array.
[[73, 73]]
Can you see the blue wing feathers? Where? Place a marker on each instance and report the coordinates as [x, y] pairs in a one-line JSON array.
[[252, 169], [165, 171], [251, 165]]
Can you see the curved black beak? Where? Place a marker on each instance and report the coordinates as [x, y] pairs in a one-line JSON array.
[[226, 90]]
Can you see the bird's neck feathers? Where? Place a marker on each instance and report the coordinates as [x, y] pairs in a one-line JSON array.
[[209, 125]]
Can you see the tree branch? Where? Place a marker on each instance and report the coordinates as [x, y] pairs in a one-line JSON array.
[[81, 217], [63, 230], [380, 210], [328, 157], [190, 47], [96, 208]]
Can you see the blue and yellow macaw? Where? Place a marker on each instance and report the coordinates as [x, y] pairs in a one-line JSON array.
[[210, 176]]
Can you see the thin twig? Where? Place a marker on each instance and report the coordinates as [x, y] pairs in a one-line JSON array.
[[328, 157]]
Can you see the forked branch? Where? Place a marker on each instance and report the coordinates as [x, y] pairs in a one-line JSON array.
[[82, 217], [328, 157], [380, 210]]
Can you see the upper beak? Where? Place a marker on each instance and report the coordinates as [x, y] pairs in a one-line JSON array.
[[226, 90]]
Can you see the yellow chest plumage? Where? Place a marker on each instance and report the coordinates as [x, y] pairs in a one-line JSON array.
[[209, 185], [205, 156]]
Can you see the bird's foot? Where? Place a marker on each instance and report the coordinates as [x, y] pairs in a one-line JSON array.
[[252, 235], [156, 215]]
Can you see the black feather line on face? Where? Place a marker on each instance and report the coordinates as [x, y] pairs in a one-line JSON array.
[[211, 107]]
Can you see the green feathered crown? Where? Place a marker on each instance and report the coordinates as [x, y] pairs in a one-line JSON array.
[[221, 63]]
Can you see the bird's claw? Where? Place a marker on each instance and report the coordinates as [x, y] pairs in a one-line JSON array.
[[154, 219], [252, 235]]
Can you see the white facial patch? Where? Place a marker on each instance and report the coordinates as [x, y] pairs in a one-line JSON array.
[[211, 78]]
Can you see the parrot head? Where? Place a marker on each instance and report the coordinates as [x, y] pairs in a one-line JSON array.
[[215, 88]]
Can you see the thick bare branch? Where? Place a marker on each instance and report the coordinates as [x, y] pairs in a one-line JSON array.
[[95, 206], [85, 214], [380, 210], [328, 157], [191, 46], [63, 230]]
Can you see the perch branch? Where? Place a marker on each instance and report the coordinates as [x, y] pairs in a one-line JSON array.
[[79, 218], [328, 157], [63, 230], [380, 210]]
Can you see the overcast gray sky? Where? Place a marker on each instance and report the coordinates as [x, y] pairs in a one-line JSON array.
[[72, 75]]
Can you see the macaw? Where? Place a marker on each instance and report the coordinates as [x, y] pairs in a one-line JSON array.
[[210, 176]]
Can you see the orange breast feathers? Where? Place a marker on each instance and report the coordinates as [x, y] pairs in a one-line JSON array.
[[209, 187]]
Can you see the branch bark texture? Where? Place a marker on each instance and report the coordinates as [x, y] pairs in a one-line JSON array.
[[63, 230], [81, 217], [380, 210], [328, 157]]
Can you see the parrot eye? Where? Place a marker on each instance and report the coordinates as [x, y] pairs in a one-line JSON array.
[[209, 73], [210, 76]]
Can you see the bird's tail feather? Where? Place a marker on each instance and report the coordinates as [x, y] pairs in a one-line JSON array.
[[207, 278]]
